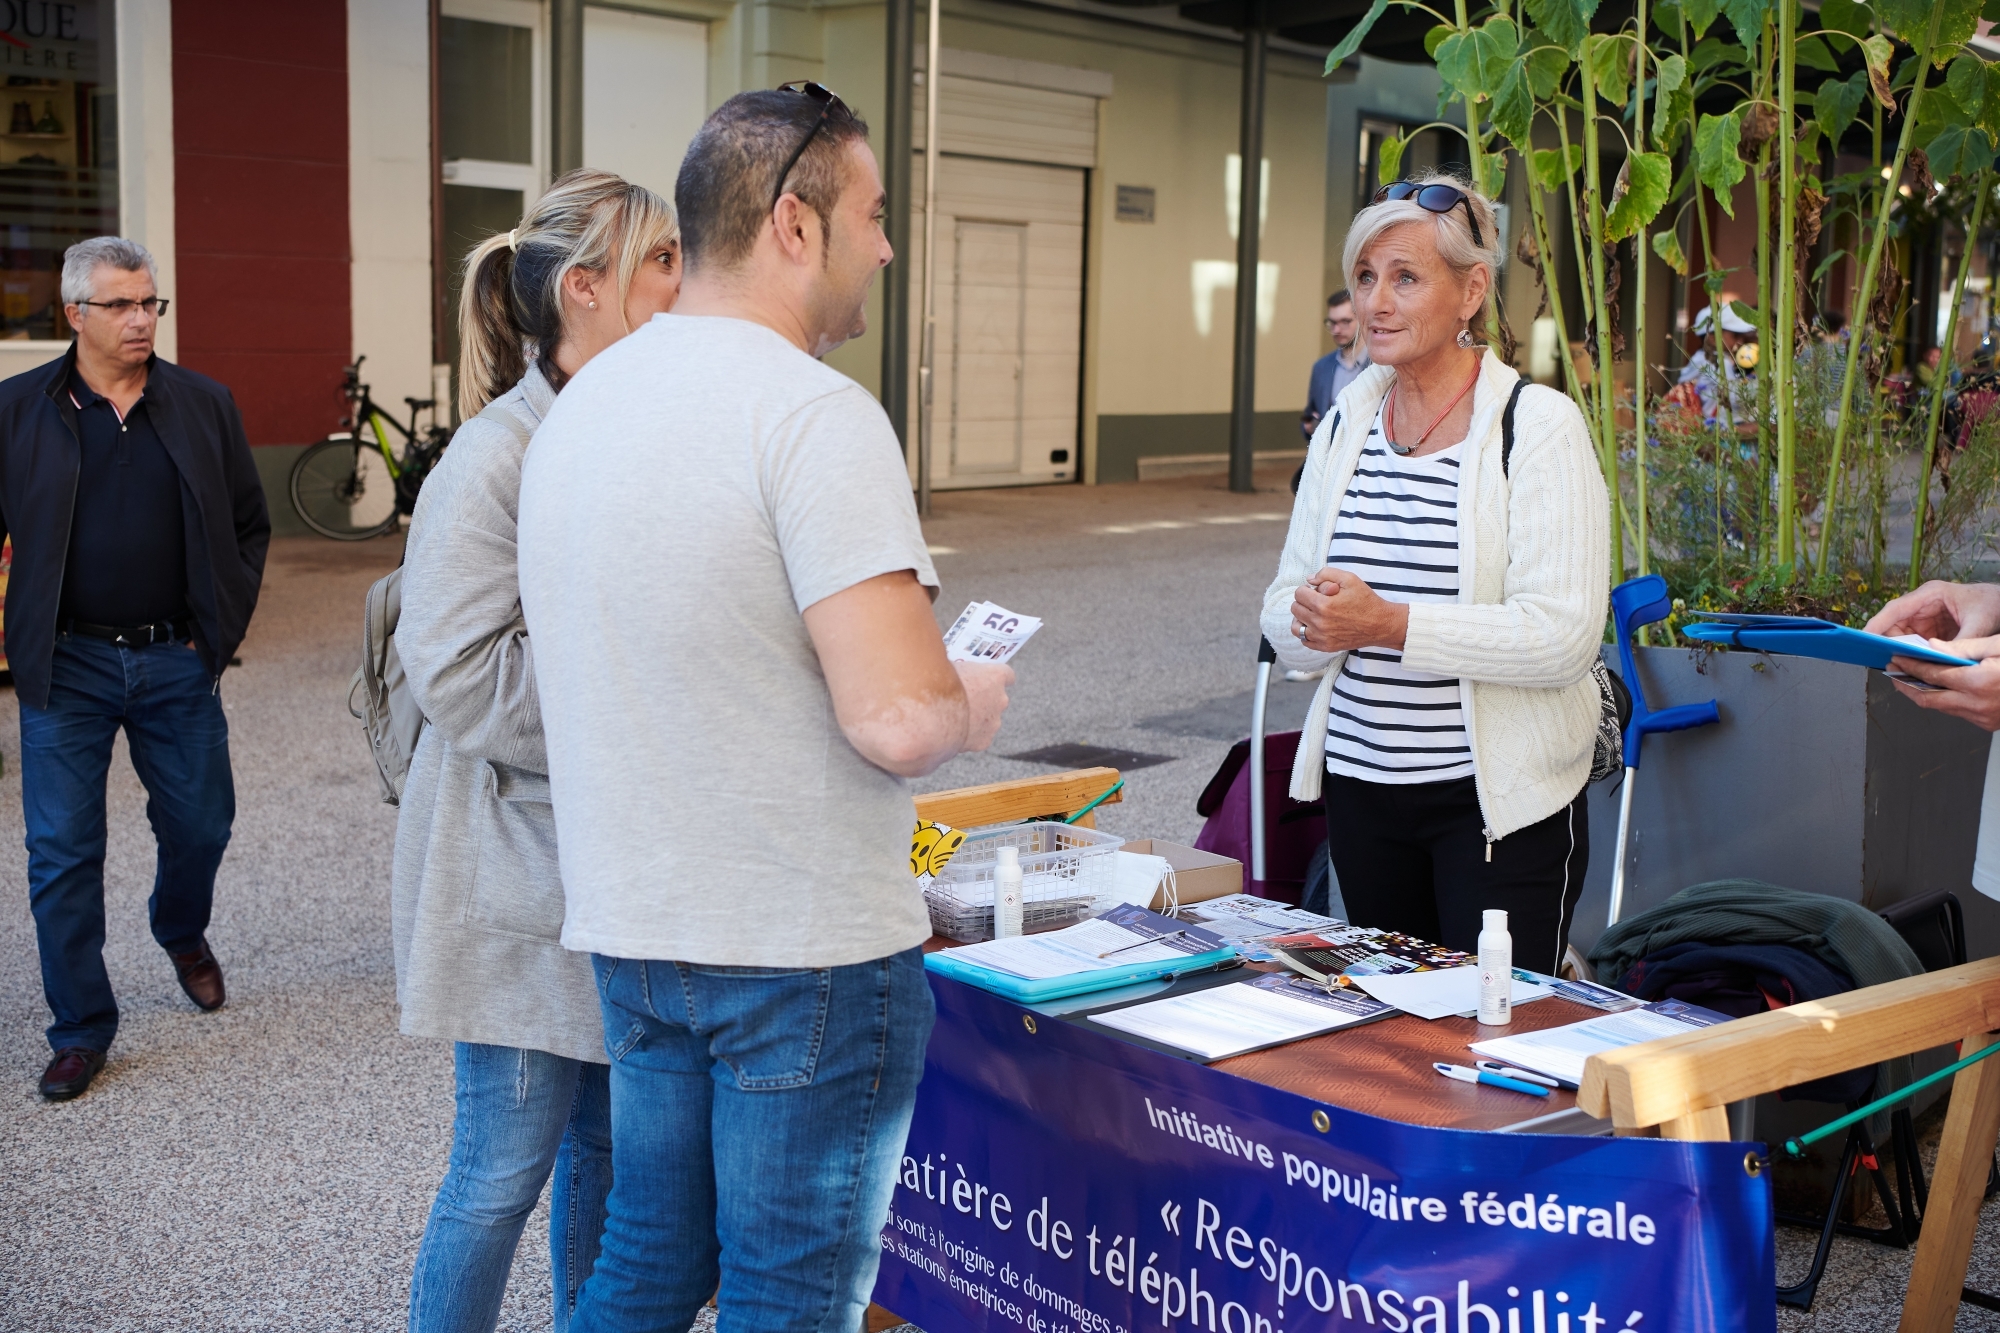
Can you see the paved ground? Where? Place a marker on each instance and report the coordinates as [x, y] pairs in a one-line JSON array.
[[269, 1167]]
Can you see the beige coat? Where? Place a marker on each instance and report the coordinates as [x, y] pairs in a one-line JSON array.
[[478, 898], [1533, 576]]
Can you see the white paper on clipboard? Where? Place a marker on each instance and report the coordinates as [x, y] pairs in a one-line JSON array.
[[988, 632]]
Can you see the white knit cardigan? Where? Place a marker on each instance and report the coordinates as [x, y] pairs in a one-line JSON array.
[[1533, 570]]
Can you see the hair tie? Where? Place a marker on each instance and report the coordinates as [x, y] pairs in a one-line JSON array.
[[510, 239]]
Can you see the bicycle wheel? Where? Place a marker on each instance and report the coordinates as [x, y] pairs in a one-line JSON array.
[[341, 489]]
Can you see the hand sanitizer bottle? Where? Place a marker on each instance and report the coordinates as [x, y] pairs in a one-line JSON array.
[[1007, 894], [1496, 971]]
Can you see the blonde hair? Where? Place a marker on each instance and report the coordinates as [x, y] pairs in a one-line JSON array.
[[510, 311], [1452, 229]]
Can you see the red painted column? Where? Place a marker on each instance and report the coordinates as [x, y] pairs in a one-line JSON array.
[[260, 207]]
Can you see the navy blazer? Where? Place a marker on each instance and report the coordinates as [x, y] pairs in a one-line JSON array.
[[222, 507]]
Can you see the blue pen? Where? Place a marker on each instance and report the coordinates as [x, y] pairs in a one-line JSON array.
[[1464, 1075]]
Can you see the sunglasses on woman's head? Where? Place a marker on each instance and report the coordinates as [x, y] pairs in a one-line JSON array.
[[1433, 198], [828, 101]]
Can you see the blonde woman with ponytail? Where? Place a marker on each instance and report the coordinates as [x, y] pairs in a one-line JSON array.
[[477, 897]]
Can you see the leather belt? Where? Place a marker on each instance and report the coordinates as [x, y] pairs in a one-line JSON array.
[[134, 636]]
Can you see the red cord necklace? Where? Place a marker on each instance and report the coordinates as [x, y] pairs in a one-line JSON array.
[[1389, 416]]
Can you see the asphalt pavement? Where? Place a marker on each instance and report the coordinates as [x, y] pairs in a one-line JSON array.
[[269, 1167]]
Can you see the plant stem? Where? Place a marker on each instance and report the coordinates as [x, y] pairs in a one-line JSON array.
[[1866, 292], [1607, 410], [1983, 183], [1786, 288], [1640, 254], [1538, 216], [1474, 149], [1589, 401]]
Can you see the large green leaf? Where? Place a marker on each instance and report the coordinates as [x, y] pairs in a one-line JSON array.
[[1610, 57], [1716, 162], [1966, 81], [1989, 111], [1454, 61], [1355, 36], [1546, 65], [1837, 103], [1675, 99], [1552, 169], [1959, 150], [1496, 51], [1640, 194], [1667, 245], [1514, 106], [1747, 17], [1846, 16], [1701, 13], [1435, 37], [1566, 22], [1961, 22], [1392, 160], [1992, 11], [1811, 52]]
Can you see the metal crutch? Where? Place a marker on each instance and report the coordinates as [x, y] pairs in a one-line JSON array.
[[1636, 602]]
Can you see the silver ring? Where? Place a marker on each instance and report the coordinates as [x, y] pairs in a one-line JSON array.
[[1299, 629]]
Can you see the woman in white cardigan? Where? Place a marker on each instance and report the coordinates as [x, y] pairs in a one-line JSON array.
[[1453, 593]]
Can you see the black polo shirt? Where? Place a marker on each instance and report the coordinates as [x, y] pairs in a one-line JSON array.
[[127, 561]]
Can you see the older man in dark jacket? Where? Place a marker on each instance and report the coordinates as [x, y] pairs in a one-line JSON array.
[[139, 534]]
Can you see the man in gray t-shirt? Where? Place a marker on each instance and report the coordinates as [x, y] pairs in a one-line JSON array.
[[730, 601]]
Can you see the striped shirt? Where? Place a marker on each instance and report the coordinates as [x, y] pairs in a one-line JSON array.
[[1398, 530]]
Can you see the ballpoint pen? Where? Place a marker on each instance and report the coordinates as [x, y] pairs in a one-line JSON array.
[[1464, 1075], [1525, 1075], [1161, 939]]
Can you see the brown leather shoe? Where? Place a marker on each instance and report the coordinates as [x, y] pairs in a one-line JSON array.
[[70, 1072], [201, 977]]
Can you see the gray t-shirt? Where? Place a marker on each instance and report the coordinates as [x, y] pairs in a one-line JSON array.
[[696, 487]]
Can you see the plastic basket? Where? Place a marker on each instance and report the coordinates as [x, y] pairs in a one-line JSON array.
[[1067, 875]]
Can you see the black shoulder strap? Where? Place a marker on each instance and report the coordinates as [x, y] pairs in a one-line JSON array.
[[1507, 425]]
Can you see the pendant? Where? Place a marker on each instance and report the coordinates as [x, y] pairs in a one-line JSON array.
[[1400, 450]]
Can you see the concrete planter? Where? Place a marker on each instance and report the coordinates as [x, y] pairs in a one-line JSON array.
[[1819, 777]]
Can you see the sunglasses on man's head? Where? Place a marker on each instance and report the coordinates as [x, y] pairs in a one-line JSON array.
[[1432, 198], [829, 101]]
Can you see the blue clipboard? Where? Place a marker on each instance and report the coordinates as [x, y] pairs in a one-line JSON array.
[[1023, 991], [1805, 636]]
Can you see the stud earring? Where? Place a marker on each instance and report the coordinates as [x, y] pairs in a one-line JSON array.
[[1465, 339], [593, 306]]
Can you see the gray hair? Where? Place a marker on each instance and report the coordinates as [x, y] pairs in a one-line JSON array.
[[1452, 230], [81, 261]]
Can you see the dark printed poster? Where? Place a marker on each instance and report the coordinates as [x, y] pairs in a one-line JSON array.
[[1064, 1182]]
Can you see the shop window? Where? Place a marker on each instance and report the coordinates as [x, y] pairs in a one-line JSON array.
[[58, 152]]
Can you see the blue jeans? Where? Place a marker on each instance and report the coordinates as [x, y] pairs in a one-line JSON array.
[[172, 715], [519, 1114], [757, 1117]]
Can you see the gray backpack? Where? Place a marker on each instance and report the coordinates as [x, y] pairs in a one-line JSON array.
[[388, 712]]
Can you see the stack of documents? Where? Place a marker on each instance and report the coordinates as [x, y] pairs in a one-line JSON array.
[[1439, 992], [1246, 921], [1126, 944], [1249, 1015], [1560, 1052]]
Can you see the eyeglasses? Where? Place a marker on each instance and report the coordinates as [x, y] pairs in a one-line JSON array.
[[153, 306], [1433, 198], [829, 101]]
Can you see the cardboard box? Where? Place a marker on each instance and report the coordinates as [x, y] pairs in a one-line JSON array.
[[1198, 876]]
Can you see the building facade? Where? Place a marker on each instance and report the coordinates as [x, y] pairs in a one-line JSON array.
[[309, 174]]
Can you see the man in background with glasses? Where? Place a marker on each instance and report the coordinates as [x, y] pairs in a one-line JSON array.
[[139, 532], [739, 669], [1338, 368]]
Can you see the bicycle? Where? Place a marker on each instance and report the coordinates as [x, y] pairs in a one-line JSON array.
[[351, 485]]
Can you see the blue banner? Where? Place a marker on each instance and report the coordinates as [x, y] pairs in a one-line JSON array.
[[1061, 1181]]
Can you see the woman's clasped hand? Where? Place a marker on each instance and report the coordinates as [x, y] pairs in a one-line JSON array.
[[1336, 610]]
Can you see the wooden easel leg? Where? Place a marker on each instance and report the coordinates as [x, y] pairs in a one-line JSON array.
[[1708, 1125], [1957, 1188]]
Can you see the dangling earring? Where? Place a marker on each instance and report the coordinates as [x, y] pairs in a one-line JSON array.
[[1466, 340]]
